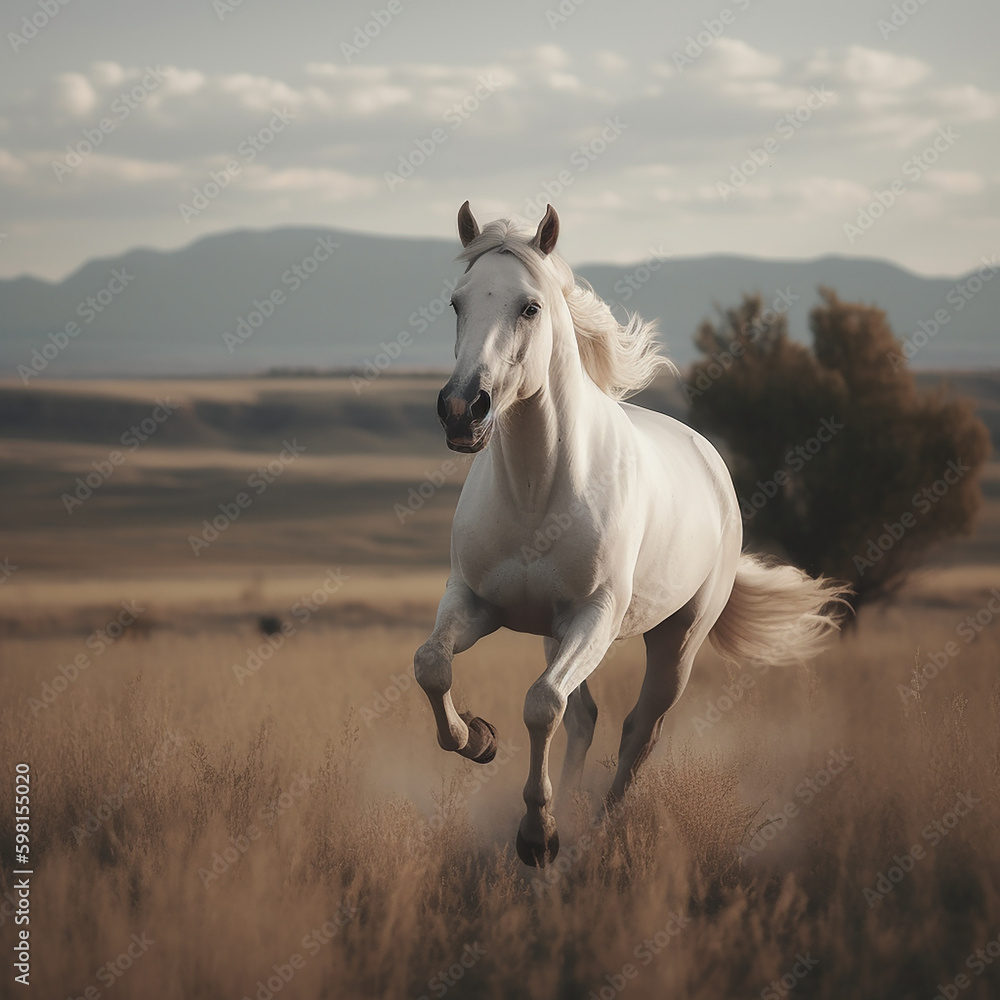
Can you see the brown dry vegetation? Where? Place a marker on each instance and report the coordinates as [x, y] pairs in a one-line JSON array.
[[345, 805], [377, 818]]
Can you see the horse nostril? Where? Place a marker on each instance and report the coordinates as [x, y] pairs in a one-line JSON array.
[[442, 409], [480, 407]]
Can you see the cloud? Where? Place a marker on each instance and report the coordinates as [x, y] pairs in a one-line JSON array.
[[352, 123], [544, 99], [322, 183], [868, 68], [956, 181], [732, 59], [611, 63], [544, 57], [73, 94], [828, 194], [258, 93], [12, 169], [107, 74], [967, 102], [120, 169], [183, 82]]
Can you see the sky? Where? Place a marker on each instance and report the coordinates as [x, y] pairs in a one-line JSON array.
[[775, 128]]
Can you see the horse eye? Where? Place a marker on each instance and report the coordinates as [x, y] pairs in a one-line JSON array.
[[531, 309]]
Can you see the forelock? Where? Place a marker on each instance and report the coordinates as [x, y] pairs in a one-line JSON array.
[[506, 236]]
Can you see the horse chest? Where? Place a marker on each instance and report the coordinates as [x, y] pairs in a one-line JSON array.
[[530, 564]]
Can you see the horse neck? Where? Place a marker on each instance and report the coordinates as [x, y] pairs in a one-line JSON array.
[[542, 441]]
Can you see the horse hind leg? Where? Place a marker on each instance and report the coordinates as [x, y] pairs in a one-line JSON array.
[[671, 647], [580, 720]]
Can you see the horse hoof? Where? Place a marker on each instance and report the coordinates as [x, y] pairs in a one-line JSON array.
[[612, 801], [481, 734], [537, 855]]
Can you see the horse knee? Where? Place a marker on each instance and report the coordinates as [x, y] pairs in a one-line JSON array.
[[432, 668], [544, 705]]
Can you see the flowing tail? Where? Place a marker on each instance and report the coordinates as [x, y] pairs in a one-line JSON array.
[[777, 613]]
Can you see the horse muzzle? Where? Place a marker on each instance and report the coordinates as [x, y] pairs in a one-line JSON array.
[[464, 417]]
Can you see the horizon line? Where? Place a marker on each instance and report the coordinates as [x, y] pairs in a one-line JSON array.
[[404, 237]]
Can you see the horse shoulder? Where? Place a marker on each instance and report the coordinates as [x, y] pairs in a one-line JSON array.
[[680, 449]]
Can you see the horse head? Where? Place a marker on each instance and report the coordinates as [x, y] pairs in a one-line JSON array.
[[505, 305]]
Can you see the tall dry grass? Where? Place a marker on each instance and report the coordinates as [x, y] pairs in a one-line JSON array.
[[381, 862]]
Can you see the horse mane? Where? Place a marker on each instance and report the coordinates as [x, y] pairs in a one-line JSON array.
[[620, 358]]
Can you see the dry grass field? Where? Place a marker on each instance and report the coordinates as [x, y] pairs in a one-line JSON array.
[[216, 813]]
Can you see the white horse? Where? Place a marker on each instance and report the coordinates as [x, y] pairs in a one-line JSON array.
[[639, 518]]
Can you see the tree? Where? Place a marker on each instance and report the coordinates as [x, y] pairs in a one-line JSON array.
[[840, 462]]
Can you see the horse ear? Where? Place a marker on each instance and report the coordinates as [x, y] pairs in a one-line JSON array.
[[548, 232], [468, 228]]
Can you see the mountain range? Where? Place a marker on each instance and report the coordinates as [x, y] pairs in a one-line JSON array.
[[244, 302]]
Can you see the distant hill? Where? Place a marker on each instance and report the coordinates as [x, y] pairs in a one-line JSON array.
[[155, 313], [392, 415]]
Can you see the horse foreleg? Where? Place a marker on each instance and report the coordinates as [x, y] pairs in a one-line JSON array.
[[582, 645], [462, 619]]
